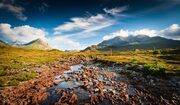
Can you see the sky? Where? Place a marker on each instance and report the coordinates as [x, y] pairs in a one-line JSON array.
[[76, 24]]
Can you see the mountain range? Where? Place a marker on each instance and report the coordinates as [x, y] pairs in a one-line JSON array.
[[116, 44], [134, 42], [37, 44]]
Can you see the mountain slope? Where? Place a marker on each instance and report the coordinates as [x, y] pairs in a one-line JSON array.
[[137, 42], [37, 44], [3, 44]]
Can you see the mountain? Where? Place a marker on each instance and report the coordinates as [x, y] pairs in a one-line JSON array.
[[136, 42], [37, 44], [3, 44], [92, 48]]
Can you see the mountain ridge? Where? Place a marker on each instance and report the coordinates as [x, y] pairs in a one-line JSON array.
[[3, 44], [37, 44], [135, 42]]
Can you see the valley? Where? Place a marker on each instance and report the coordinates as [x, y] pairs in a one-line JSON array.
[[89, 52], [30, 76]]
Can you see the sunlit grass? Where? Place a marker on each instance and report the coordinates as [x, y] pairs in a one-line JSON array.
[[15, 79], [169, 57], [18, 58]]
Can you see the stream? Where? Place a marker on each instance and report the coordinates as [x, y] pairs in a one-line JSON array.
[[83, 82], [86, 80]]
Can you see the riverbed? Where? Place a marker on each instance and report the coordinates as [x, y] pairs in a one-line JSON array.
[[89, 80]]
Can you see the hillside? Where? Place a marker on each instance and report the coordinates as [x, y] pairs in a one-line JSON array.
[[3, 44], [37, 44]]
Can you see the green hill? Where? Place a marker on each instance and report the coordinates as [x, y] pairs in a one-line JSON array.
[[37, 44]]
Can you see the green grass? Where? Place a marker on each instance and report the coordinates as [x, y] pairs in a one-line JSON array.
[[135, 61], [155, 69], [15, 79], [18, 58], [168, 57]]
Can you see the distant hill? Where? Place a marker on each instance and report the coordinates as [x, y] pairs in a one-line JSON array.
[[38, 44], [135, 42]]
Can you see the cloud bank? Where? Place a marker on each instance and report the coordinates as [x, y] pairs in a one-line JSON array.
[[24, 33], [171, 32]]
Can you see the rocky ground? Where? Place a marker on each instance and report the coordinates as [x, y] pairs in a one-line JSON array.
[[78, 81]]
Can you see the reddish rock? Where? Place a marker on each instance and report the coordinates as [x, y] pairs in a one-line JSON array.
[[93, 100], [73, 100]]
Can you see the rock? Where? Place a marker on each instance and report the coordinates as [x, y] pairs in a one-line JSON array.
[[127, 97], [78, 79], [73, 100], [96, 90], [57, 90], [57, 83], [64, 98], [84, 76], [87, 104], [101, 96], [93, 100]]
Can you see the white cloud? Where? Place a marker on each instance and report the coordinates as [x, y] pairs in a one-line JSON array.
[[24, 33], [64, 43], [86, 24], [145, 31], [171, 32], [27, 33], [126, 33], [123, 33], [16, 10], [86, 27], [116, 11]]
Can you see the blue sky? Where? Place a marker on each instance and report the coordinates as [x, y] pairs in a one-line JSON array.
[[76, 24]]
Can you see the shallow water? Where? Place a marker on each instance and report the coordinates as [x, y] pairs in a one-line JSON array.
[[73, 86]]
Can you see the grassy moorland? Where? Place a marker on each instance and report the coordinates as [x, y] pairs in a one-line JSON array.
[[18, 58], [153, 60], [12, 58]]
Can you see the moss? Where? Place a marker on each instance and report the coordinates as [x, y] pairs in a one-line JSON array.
[[135, 61], [15, 79], [2, 81], [3, 72], [24, 76], [155, 69], [13, 82]]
